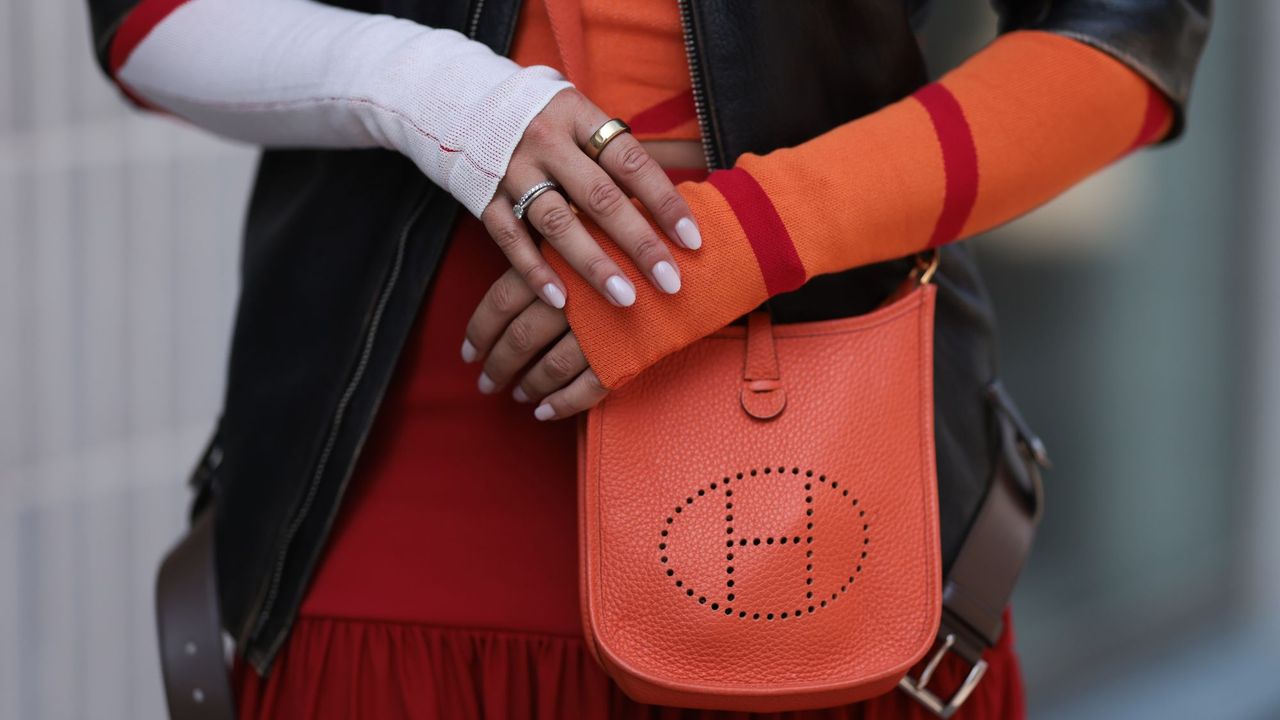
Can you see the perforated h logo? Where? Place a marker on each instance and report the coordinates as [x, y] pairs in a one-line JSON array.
[[792, 541]]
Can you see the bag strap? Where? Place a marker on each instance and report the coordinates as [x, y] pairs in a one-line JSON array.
[[196, 683], [189, 625], [984, 573]]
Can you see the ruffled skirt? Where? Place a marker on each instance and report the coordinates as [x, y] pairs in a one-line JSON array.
[[335, 668]]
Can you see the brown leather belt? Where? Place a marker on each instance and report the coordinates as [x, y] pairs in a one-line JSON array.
[[976, 591]]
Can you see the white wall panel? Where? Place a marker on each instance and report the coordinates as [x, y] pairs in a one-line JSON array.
[[119, 239]]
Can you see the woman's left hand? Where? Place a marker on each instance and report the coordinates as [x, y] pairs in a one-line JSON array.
[[510, 327]]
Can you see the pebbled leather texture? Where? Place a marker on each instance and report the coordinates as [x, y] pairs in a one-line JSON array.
[[756, 565]]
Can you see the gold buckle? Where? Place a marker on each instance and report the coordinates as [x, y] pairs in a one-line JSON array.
[[925, 267], [917, 688]]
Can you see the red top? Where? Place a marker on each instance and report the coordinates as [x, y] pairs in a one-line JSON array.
[[462, 511]]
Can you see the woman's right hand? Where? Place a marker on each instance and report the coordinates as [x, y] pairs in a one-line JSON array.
[[552, 149]]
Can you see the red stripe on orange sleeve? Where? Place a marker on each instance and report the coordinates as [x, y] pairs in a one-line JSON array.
[[959, 161], [668, 114], [139, 23], [1155, 121], [1045, 112], [1014, 126], [867, 191], [775, 252]]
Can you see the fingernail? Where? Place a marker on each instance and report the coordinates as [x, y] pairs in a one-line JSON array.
[[468, 351], [667, 277], [544, 412], [485, 383], [688, 233], [553, 296], [620, 290], [520, 395]]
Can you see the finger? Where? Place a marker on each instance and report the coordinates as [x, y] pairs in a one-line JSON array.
[[505, 299], [626, 161], [513, 239], [529, 333], [581, 394], [551, 216], [552, 371], [595, 192]]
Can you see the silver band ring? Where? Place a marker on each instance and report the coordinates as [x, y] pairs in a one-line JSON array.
[[530, 195]]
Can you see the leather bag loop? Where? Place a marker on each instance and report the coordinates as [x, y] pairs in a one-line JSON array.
[[763, 396]]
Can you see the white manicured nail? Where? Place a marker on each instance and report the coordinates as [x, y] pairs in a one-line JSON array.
[[688, 233], [544, 412], [468, 351], [520, 395], [667, 277], [485, 383], [620, 290], [553, 296]]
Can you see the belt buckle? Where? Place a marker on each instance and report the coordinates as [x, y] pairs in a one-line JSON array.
[[918, 687]]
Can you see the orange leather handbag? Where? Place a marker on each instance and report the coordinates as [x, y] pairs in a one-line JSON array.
[[758, 514]]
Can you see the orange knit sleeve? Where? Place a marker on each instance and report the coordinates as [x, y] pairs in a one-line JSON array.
[[1017, 124]]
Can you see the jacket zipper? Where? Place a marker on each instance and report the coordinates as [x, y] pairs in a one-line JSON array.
[[335, 425], [277, 573], [474, 26], [699, 90], [273, 588]]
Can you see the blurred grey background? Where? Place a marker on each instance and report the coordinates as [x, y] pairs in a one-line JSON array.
[[1141, 333]]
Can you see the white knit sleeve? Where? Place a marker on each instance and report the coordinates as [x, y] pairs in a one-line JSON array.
[[301, 74]]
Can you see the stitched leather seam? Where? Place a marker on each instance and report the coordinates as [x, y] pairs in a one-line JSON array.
[[926, 429]]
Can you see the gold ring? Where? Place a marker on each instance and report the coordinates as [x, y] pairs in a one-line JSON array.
[[603, 136]]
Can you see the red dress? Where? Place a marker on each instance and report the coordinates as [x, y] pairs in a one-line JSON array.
[[449, 585]]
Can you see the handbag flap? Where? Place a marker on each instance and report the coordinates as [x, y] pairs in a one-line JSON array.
[[737, 559]]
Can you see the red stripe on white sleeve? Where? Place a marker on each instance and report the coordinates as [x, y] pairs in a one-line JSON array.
[[139, 23], [297, 73]]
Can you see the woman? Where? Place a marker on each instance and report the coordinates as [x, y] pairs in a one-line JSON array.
[[356, 569]]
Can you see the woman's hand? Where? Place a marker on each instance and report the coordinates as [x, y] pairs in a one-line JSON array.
[[510, 327], [551, 149]]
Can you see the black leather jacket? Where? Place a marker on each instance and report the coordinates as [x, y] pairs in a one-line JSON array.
[[340, 246]]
